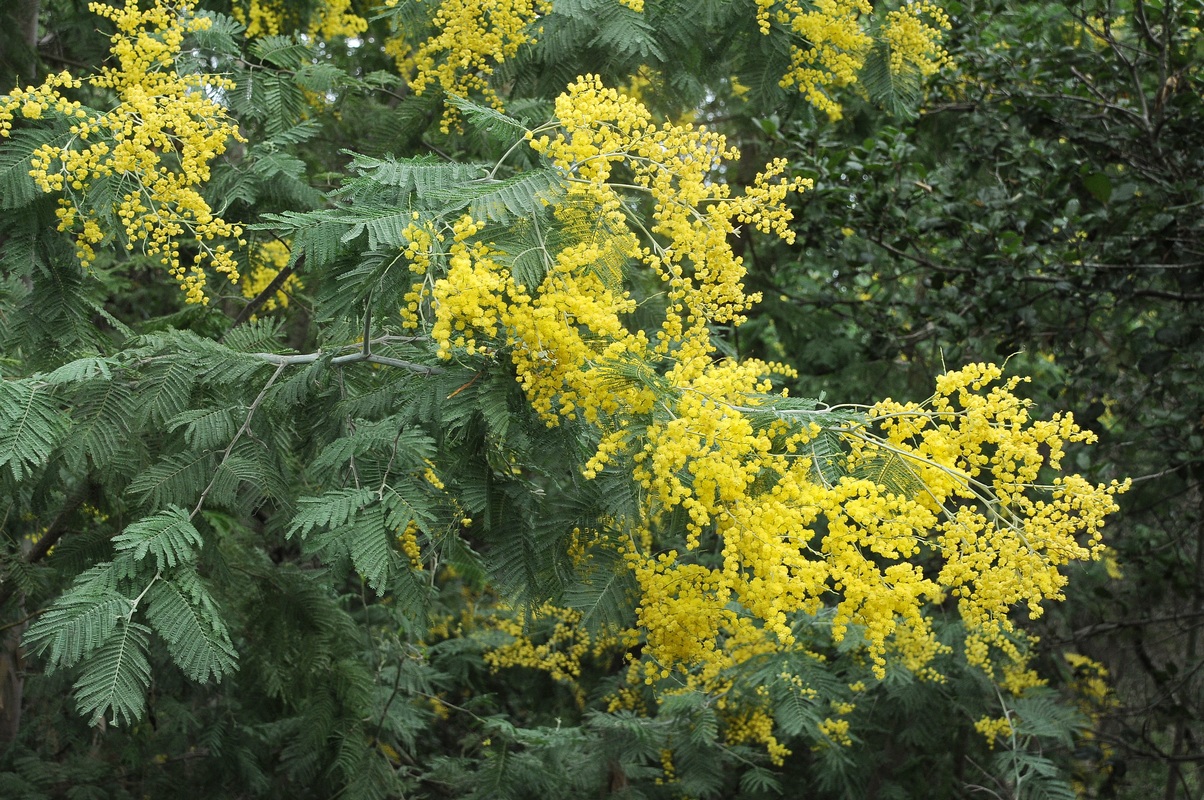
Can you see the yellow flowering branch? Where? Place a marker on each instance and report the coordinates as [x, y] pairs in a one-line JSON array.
[[831, 40], [707, 436], [156, 145]]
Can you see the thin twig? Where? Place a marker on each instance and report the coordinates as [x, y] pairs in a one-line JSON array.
[[54, 532], [269, 290], [246, 425]]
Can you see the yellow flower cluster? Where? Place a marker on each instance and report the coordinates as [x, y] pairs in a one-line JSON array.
[[267, 260], [155, 147], [837, 730], [693, 215], [408, 540], [468, 39], [830, 40], [551, 640], [756, 725], [471, 300], [995, 728], [978, 454], [913, 42], [34, 101], [836, 49], [420, 246], [788, 511], [1018, 678], [330, 19], [559, 654], [260, 17], [567, 336], [1090, 682], [753, 496], [668, 770]]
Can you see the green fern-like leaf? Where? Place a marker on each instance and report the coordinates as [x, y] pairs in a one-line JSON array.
[[794, 712], [166, 390], [827, 457], [521, 196], [329, 510], [403, 448], [384, 225], [16, 186], [254, 336], [303, 131], [623, 33], [101, 411], [421, 174], [1040, 777], [80, 370], [283, 175], [223, 35], [502, 127], [182, 612], [285, 52], [79, 622], [889, 470], [370, 545], [169, 536], [317, 235], [525, 248], [114, 681], [758, 780], [176, 479], [505, 200], [270, 96], [321, 77], [205, 428], [30, 426], [604, 593], [1040, 714], [898, 91], [453, 550], [403, 502]]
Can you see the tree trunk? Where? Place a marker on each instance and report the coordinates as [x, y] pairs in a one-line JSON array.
[[19, 45], [12, 682]]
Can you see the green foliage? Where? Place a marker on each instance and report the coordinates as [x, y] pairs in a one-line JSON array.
[[32, 427], [116, 677], [278, 557]]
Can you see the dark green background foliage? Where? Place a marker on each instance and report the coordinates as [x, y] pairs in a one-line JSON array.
[[224, 607]]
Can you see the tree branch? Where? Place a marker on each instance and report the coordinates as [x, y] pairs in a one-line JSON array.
[[54, 532]]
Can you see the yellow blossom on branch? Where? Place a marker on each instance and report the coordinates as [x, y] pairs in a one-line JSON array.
[[155, 147], [995, 728], [955, 480], [329, 19], [831, 39], [466, 41]]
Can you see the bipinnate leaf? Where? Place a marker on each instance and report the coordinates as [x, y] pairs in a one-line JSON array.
[[169, 536], [30, 426], [114, 681], [79, 622], [183, 613], [502, 127], [605, 592], [370, 544], [329, 510]]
